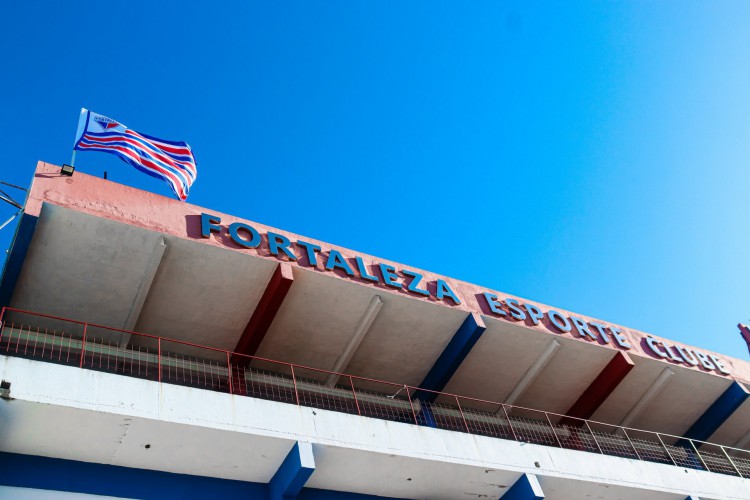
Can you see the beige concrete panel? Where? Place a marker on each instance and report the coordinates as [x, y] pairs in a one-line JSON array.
[[83, 267], [204, 295], [498, 361], [570, 372], [316, 320], [405, 340]]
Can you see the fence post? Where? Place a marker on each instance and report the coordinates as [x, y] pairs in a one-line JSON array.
[[83, 344], [462, 415], [294, 380], [593, 436], [731, 462], [229, 374], [413, 413], [2, 324], [631, 444], [354, 393], [705, 465], [158, 361], [553, 429], [666, 449], [507, 417]]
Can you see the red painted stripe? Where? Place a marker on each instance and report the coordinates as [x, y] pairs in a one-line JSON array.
[[144, 162], [745, 332], [265, 312], [600, 389]]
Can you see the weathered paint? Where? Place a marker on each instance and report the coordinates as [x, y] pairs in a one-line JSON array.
[[113, 201]]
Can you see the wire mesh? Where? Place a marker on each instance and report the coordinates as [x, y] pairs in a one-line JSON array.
[[54, 346], [740, 459], [715, 459], [574, 435], [612, 441], [648, 446], [531, 426], [114, 351]]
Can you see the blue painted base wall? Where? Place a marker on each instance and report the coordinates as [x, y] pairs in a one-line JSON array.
[[28, 471]]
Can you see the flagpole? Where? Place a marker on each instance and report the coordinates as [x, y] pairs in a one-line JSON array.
[[82, 123]]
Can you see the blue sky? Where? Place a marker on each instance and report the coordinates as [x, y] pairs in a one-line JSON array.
[[594, 156]]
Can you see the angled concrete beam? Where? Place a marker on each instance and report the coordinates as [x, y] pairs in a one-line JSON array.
[[452, 357], [717, 413], [647, 397], [743, 441], [293, 472], [533, 372], [526, 488], [602, 386], [359, 334], [266, 310], [152, 266]]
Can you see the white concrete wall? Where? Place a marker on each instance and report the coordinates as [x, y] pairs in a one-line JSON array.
[[11, 492], [66, 412]]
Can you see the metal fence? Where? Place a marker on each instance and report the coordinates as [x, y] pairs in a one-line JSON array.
[[95, 347]]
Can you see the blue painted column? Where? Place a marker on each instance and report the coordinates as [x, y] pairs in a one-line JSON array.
[[293, 473], [452, 356], [717, 413], [16, 257], [526, 488]]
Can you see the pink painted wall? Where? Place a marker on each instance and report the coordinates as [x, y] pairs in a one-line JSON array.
[[117, 202]]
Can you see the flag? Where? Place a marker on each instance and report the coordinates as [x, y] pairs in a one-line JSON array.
[[172, 162]]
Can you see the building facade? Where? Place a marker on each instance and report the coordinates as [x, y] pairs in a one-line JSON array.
[[155, 349]]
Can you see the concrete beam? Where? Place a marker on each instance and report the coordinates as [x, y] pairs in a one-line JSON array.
[[452, 357], [16, 257], [265, 312], [743, 441], [293, 472], [717, 413], [647, 397], [154, 261], [602, 386], [526, 488], [359, 334], [532, 373]]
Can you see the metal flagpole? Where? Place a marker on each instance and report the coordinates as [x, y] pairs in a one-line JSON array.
[[73, 159]]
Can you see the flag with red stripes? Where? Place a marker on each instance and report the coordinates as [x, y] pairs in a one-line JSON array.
[[172, 162]]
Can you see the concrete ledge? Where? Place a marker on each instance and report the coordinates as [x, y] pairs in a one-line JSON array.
[[66, 412]]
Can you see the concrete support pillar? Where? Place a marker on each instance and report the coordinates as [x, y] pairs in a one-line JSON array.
[[533, 372], [359, 334], [265, 312], [602, 386], [717, 413], [293, 472], [645, 400], [453, 355], [526, 488], [154, 261]]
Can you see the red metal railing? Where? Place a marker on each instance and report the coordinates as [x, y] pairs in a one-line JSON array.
[[86, 345]]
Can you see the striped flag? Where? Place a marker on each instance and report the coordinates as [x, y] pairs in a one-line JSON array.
[[172, 162]]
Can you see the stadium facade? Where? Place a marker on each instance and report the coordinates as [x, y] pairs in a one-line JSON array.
[[155, 349]]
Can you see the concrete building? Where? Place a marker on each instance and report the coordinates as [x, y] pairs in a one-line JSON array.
[[155, 349]]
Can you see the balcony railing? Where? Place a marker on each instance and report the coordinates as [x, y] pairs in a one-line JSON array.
[[95, 347]]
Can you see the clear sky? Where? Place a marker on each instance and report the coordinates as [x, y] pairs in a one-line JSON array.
[[593, 156]]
